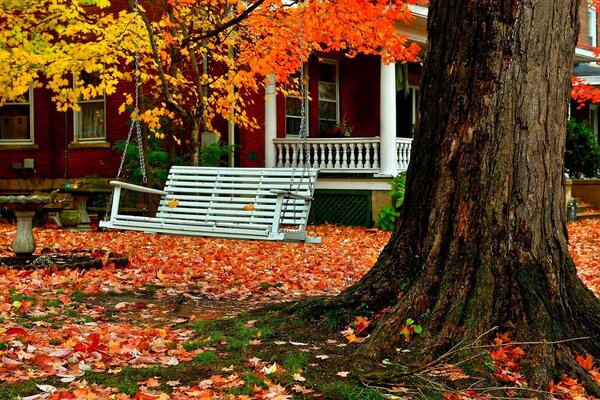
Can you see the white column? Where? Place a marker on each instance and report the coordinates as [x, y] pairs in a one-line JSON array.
[[270, 122], [387, 117]]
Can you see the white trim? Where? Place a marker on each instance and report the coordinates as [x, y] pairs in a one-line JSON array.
[[590, 80], [584, 56], [418, 11], [31, 139], [592, 20]]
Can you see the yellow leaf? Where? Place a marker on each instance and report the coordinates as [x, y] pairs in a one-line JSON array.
[[173, 203], [249, 207]]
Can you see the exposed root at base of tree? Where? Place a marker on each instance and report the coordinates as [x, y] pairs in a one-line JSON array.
[[446, 375]]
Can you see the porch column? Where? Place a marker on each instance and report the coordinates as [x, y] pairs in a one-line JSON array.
[[270, 121], [387, 118]]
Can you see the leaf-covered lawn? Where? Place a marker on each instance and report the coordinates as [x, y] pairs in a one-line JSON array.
[[64, 333]]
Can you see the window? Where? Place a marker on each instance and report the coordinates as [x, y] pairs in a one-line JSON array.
[[16, 120], [89, 120], [329, 111], [592, 38], [293, 112], [407, 112]]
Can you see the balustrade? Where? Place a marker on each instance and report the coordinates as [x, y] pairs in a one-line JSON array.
[[339, 155]]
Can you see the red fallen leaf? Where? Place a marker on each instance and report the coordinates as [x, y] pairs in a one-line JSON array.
[[15, 332], [145, 396], [66, 395], [140, 305], [586, 362]]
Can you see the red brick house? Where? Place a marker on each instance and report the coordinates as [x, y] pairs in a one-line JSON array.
[[42, 148]]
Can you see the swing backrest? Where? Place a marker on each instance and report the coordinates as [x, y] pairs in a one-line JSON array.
[[237, 197]]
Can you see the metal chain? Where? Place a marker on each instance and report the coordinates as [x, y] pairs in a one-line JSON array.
[[302, 142], [136, 116]]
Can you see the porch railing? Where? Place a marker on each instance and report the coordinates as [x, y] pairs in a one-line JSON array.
[[339, 155]]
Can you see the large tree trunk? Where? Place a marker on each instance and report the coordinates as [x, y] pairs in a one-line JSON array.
[[482, 240]]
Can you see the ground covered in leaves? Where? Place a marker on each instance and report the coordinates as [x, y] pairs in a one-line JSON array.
[[178, 321]]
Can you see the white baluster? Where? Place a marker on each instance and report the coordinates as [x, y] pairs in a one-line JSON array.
[[368, 163], [279, 155], [315, 155], [352, 156], [322, 156], [344, 156], [399, 155], [329, 153], [287, 155], [294, 156], [337, 156], [359, 162], [376, 155]]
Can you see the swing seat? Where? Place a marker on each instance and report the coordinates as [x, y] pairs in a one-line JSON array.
[[233, 203]]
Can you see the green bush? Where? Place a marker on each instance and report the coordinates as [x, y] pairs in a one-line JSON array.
[[156, 156], [389, 213], [582, 156]]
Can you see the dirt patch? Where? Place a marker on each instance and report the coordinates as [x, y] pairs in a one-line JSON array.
[[149, 309]]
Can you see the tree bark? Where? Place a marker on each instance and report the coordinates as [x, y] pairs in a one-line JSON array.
[[482, 240]]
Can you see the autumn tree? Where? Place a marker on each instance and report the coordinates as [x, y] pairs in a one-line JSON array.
[[199, 61], [481, 242]]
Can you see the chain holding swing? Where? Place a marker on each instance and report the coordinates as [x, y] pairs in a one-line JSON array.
[[302, 148], [135, 121]]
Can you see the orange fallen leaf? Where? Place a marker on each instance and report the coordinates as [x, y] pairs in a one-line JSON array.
[[249, 207], [173, 203], [586, 362], [152, 382]]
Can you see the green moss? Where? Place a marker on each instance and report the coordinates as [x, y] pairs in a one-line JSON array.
[[52, 303], [294, 361], [79, 296], [206, 357]]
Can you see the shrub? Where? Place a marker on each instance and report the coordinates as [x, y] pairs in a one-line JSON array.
[[582, 155], [389, 213]]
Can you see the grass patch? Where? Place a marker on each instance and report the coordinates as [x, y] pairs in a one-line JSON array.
[[348, 391], [206, 357], [292, 362], [19, 389]]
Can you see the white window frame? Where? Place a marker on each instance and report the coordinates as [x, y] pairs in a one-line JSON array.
[[336, 63], [592, 25], [77, 119], [413, 90], [306, 110], [31, 139]]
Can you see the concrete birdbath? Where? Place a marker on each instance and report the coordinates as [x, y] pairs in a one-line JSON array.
[[24, 208]]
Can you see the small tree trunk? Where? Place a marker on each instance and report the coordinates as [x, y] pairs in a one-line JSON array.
[[195, 144], [482, 241]]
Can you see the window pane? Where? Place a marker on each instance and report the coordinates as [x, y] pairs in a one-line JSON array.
[[327, 110], [327, 91], [14, 122], [325, 127], [327, 72], [91, 121], [293, 106], [292, 126]]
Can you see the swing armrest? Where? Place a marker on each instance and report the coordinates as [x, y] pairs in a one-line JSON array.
[[292, 194], [137, 188]]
